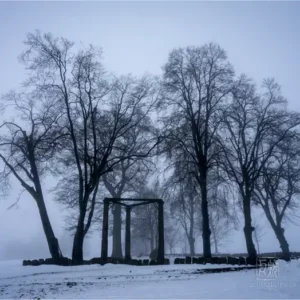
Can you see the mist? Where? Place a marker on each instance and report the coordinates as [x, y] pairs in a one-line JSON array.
[[260, 38]]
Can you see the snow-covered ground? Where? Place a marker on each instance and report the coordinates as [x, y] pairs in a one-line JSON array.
[[141, 282]]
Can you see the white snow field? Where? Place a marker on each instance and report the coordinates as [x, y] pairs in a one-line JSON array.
[[147, 282]]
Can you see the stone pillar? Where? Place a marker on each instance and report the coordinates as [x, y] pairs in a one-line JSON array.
[[161, 239], [105, 230], [128, 234]]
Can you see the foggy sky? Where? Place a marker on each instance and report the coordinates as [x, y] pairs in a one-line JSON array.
[[261, 39]]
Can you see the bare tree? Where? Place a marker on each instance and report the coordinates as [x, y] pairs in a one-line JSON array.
[[197, 81], [223, 215], [258, 234], [98, 112], [172, 235], [27, 147], [185, 207], [254, 125], [222, 226], [277, 189]]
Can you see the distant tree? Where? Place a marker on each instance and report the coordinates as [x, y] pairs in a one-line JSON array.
[[185, 207], [223, 215], [27, 146], [145, 218], [258, 234], [172, 236], [196, 83], [222, 226]]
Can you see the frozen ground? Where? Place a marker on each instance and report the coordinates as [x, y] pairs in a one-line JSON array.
[[142, 282]]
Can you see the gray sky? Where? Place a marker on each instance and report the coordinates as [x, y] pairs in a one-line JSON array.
[[261, 39]]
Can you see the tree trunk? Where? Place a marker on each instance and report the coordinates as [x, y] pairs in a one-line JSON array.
[[248, 229], [192, 246], [216, 248], [283, 243], [117, 232], [51, 239], [77, 252], [205, 221], [215, 241], [279, 232], [257, 242], [214, 237]]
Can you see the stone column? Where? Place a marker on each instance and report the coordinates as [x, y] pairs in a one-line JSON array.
[[128, 234], [105, 230], [161, 239]]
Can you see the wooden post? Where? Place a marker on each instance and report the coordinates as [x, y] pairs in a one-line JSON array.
[[127, 234], [161, 239], [105, 230]]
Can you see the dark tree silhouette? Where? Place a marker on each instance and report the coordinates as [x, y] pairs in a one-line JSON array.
[[254, 125], [278, 188], [27, 146], [196, 82], [98, 111]]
